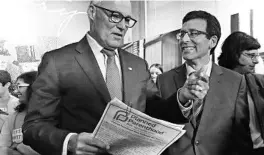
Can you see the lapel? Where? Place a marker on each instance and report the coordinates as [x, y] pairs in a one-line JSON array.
[[180, 76], [212, 99], [127, 70], [88, 63], [255, 86]]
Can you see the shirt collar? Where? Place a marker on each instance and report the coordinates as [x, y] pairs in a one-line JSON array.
[[207, 68], [95, 46]]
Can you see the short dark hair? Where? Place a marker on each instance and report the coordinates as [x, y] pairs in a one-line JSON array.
[[212, 24], [4, 77], [29, 78], [157, 66], [233, 46]]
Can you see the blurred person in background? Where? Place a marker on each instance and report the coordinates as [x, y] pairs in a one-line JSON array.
[[11, 137], [7, 101], [155, 70], [240, 54]]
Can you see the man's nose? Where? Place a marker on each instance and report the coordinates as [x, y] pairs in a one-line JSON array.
[[255, 60], [186, 37], [122, 24]]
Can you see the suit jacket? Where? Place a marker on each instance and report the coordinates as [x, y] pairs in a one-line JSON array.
[[70, 95], [224, 122], [255, 83]]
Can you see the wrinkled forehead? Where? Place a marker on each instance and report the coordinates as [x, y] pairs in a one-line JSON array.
[[122, 6]]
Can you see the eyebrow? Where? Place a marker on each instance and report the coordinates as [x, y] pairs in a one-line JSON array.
[[112, 11]]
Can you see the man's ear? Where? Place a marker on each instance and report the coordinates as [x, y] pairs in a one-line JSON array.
[[91, 12], [213, 41]]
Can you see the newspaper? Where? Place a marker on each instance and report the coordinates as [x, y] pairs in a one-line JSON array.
[[131, 132]]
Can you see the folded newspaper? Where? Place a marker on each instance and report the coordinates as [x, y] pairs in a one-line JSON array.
[[131, 132]]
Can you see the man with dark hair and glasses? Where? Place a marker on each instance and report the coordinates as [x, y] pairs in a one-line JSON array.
[[210, 100], [76, 82], [240, 53]]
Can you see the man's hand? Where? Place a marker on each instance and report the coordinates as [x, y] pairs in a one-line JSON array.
[[195, 87], [85, 144]]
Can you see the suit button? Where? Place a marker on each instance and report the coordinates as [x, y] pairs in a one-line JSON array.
[[197, 142]]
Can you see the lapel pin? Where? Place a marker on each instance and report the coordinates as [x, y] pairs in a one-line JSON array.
[[129, 68]]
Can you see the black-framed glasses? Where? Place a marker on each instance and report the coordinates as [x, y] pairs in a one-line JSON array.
[[192, 34], [252, 56], [116, 17]]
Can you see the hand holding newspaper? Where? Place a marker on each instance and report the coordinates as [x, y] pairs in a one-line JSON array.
[[131, 132]]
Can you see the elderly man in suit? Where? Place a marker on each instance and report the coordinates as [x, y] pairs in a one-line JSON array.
[[210, 100], [76, 82]]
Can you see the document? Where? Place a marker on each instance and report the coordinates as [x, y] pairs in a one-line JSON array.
[[131, 132]]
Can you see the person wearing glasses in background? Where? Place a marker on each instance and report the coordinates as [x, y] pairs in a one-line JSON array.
[[240, 54], [208, 99], [76, 82], [11, 137]]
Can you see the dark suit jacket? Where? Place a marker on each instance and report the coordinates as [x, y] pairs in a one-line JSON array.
[[70, 95], [224, 123], [255, 83]]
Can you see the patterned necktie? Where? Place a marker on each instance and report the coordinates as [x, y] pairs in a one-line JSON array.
[[196, 109], [113, 80]]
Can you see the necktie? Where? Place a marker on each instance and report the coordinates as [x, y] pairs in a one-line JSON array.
[[113, 80], [196, 111], [197, 108]]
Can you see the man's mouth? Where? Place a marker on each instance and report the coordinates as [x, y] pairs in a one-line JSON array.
[[118, 35], [187, 48]]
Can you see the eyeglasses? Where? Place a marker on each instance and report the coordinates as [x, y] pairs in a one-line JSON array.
[[192, 34], [18, 86], [251, 55], [116, 17]]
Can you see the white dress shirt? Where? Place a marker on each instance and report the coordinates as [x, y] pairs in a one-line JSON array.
[[102, 63]]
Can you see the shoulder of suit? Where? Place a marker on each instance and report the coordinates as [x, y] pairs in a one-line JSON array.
[[70, 48], [133, 56], [170, 73], [258, 78], [230, 72]]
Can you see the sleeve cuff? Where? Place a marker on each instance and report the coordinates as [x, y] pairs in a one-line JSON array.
[[65, 143], [186, 111]]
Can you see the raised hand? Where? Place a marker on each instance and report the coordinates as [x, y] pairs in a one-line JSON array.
[[195, 87]]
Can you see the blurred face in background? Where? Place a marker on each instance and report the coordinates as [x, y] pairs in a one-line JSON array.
[[4, 89], [248, 60], [21, 90], [154, 72]]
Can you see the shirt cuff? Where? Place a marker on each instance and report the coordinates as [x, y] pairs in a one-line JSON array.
[[65, 143], [186, 111]]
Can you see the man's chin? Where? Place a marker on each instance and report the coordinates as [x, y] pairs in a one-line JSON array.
[[115, 45]]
